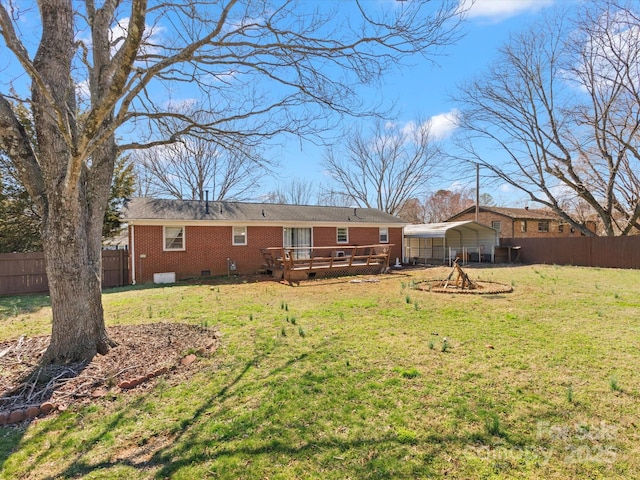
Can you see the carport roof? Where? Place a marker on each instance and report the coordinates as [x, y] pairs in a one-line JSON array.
[[439, 230]]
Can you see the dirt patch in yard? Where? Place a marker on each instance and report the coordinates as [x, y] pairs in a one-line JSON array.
[[144, 353], [479, 287]]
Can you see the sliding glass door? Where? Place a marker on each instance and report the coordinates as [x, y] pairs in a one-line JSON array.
[[300, 239]]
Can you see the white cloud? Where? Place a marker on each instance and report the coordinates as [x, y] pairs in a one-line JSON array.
[[118, 33], [498, 10], [562, 192], [152, 37], [440, 126], [458, 186], [182, 105], [443, 125], [82, 91]]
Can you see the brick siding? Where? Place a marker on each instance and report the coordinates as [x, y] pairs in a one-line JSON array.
[[512, 228], [207, 248]]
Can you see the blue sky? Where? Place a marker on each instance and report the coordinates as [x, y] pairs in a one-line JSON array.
[[424, 90]]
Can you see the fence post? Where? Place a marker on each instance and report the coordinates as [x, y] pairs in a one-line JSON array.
[[120, 280]]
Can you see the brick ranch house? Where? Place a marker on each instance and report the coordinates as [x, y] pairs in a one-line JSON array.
[[520, 222], [195, 238]]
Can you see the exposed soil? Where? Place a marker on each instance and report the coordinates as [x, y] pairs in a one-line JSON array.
[[144, 354], [479, 287]]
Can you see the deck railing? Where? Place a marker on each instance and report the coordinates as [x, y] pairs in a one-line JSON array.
[[300, 263]]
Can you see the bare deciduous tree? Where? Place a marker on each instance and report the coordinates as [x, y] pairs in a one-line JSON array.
[[331, 197], [563, 103], [198, 163], [296, 192], [257, 67], [383, 169]]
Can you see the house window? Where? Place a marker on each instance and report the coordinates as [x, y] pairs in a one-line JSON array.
[[173, 238], [523, 226], [342, 235], [543, 226], [496, 225], [384, 235], [239, 235], [561, 228]]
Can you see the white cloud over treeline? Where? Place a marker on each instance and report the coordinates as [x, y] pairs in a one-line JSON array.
[[498, 10]]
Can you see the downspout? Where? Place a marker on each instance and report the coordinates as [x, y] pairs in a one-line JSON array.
[[133, 255], [496, 242]]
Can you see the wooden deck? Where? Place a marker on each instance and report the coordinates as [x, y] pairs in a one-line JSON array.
[[302, 263]]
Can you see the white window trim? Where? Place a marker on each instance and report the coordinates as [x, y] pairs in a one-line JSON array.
[[233, 235], [337, 236], [383, 229], [164, 238]]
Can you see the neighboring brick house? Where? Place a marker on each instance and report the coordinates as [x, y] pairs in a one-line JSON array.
[[197, 238], [520, 222]]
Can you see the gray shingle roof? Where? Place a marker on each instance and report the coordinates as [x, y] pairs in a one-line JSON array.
[[193, 210], [514, 213]]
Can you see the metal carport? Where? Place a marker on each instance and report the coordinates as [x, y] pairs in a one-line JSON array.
[[442, 242]]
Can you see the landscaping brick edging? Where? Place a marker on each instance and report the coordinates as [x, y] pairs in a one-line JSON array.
[[12, 417]]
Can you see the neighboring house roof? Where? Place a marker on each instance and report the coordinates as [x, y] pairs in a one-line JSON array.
[[439, 230], [513, 213], [150, 209]]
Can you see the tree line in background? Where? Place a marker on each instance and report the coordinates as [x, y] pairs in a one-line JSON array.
[[389, 159], [391, 168]]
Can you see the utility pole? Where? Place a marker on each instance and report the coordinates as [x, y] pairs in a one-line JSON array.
[[477, 192]]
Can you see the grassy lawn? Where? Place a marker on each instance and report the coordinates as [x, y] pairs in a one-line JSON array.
[[334, 380]]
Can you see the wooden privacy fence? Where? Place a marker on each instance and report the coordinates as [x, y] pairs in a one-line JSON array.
[[607, 252], [25, 272]]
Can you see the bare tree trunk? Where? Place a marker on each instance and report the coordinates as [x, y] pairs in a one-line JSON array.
[[72, 195], [74, 271], [72, 236]]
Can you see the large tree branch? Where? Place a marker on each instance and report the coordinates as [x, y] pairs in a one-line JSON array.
[[17, 47], [112, 76], [14, 140]]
